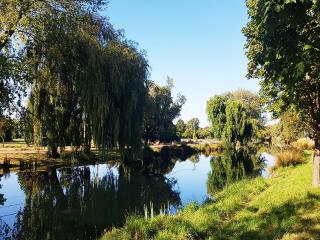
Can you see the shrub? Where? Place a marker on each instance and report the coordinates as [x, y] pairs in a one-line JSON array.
[[289, 157], [303, 144]]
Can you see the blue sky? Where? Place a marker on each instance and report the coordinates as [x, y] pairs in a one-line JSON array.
[[196, 42]]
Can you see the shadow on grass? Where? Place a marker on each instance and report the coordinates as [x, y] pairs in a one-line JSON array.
[[300, 218]]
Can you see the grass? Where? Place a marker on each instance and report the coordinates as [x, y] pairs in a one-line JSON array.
[[289, 157], [285, 206], [303, 143]]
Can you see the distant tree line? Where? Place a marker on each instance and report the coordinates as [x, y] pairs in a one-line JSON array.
[[192, 129]]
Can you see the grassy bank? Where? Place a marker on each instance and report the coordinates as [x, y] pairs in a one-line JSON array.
[[284, 206]]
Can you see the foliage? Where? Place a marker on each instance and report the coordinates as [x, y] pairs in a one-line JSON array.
[[235, 116], [21, 22], [160, 111], [290, 128], [193, 124], [6, 129], [238, 126], [283, 51], [87, 81], [204, 133], [192, 127], [216, 111], [180, 127]]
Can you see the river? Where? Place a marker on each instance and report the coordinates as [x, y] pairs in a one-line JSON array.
[[81, 202]]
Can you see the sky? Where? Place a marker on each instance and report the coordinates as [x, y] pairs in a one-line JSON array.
[[198, 43]]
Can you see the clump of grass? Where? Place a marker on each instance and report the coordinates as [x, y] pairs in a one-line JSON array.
[[303, 144], [290, 157]]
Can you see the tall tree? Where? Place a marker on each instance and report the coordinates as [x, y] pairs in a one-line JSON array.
[[216, 111], [238, 127], [95, 85], [192, 127], [161, 110], [85, 76], [21, 21], [283, 50], [180, 127], [235, 116]]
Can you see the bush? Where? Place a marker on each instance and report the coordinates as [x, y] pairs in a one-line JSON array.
[[289, 157], [303, 144]]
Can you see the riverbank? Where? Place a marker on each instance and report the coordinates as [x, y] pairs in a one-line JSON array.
[[18, 153], [285, 206]]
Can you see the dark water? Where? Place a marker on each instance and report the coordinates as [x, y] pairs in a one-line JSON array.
[[81, 202]]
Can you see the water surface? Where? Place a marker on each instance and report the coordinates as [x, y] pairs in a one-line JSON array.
[[81, 202]]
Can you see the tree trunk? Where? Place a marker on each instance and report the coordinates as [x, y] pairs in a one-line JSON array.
[[316, 164], [53, 151]]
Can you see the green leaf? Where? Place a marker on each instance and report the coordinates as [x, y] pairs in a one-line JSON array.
[[300, 67], [278, 8], [307, 47]]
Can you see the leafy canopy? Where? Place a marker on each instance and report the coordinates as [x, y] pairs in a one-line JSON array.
[[283, 47], [235, 116], [161, 110]]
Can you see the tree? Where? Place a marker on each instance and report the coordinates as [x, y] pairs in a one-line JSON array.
[[161, 110], [192, 127], [235, 116], [193, 124], [6, 129], [180, 127], [21, 22], [88, 83], [204, 133], [283, 51], [238, 126], [290, 128], [216, 111]]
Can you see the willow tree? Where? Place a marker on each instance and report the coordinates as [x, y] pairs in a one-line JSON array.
[[216, 111], [21, 21], [235, 116], [89, 86], [283, 50], [87, 81], [238, 126]]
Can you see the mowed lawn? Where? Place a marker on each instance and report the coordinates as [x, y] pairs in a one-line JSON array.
[[285, 206]]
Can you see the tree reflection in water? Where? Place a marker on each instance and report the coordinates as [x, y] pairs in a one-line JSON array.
[[4, 228], [70, 203], [233, 165]]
